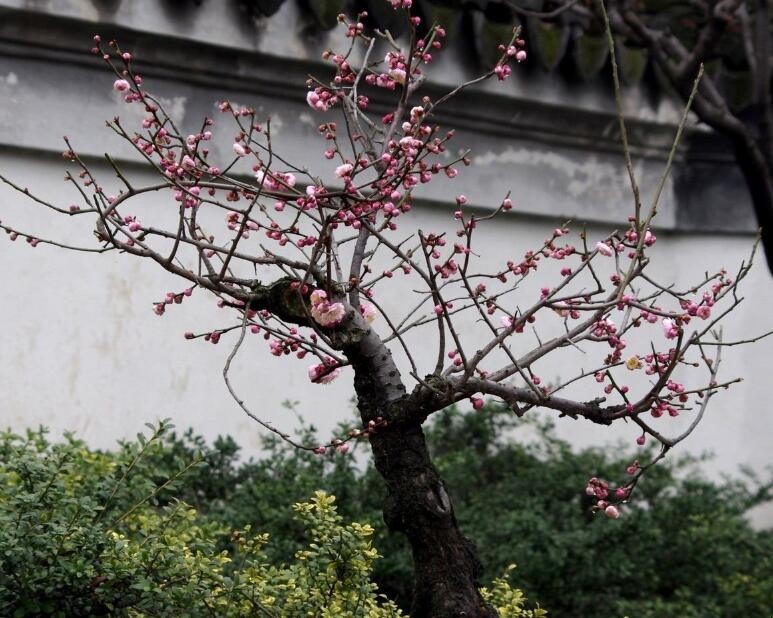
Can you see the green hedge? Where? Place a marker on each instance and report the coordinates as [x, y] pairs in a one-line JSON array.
[[684, 548], [85, 533]]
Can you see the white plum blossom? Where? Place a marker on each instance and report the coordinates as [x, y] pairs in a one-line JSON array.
[[398, 75], [318, 296], [328, 314], [604, 249]]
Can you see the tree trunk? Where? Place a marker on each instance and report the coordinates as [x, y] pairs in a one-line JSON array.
[[757, 170], [446, 566]]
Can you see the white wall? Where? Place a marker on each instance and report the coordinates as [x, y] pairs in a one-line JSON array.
[[82, 350]]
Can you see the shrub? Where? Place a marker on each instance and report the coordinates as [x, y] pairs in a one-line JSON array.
[[683, 545], [90, 533], [83, 533], [127, 532]]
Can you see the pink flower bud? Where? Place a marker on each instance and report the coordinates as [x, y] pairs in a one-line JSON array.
[[612, 512]]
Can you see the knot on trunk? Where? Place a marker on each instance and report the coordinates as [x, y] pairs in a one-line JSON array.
[[282, 298], [417, 499]]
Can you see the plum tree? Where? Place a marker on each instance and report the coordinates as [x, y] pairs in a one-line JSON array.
[[337, 241]]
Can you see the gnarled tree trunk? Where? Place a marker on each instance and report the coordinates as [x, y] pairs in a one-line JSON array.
[[757, 169], [446, 566]]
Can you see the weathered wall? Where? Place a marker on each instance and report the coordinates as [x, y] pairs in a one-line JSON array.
[[80, 347]]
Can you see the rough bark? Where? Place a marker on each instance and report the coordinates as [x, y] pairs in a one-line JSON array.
[[757, 170], [446, 566]]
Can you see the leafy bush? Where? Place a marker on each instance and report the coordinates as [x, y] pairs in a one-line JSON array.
[[80, 534], [682, 549], [90, 533], [83, 531]]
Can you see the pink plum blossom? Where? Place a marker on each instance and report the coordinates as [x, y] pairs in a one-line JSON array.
[[316, 102], [670, 329], [368, 312], [322, 373], [344, 170], [502, 71], [324, 312]]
